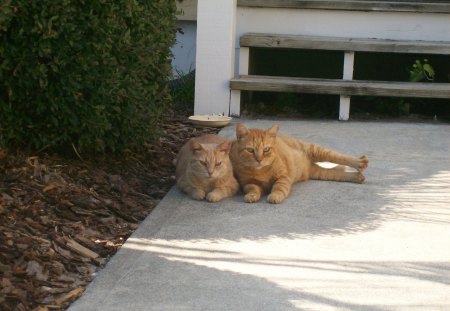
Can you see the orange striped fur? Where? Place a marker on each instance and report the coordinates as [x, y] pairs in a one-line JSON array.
[[266, 163], [204, 170]]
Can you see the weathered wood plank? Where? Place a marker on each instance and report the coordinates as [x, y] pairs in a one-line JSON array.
[[340, 87], [353, 5], [344, 44]]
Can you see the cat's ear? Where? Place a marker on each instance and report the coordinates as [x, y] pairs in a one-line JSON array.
[[241, 131], [196, 146], [273, 131], [224, 147]]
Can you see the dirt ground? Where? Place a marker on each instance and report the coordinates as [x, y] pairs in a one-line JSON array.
[[63, 218]]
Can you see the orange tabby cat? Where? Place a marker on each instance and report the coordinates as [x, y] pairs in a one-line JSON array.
[[204, 168], [266, 163]]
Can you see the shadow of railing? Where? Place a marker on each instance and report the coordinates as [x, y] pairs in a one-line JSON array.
[[337, 284]]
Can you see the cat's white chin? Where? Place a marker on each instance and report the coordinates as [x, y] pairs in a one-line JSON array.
[[260, 166], [255, 165]]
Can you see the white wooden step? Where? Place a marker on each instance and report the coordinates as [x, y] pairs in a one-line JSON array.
[[340, 87], [433, 6], [343, 44]]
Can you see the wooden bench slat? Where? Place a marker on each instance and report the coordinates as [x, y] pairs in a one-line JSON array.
[[344, 44], [438, 6], [340, 87]]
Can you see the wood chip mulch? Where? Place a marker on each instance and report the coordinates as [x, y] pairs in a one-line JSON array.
[[62, 219]]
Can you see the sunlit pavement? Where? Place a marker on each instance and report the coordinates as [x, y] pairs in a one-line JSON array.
[[383, 245]]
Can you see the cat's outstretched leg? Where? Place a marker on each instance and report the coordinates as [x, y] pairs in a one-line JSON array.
[[361, 163], [321, 154], [337, 173]]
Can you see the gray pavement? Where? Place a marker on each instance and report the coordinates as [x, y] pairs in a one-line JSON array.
[[383, 245]]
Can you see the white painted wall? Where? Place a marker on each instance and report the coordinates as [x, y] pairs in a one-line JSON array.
[[386, 25], [184, 50]]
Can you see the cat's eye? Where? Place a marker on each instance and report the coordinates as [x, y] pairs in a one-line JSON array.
[[218, 163], [203, 163], [250, 150], [266, 149]]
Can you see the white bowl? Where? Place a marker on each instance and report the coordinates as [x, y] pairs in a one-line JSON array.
[[210, 120]]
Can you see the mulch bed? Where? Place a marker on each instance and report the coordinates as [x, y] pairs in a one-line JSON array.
[[62, 219]]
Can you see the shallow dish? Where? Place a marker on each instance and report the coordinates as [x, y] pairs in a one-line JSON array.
[[210, 120]]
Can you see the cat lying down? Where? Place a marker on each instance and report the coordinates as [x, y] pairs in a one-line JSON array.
[[262, 161], [267, 163], [204, 169]]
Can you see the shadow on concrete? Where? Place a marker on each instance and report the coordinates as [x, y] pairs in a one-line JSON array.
[[227, 281], [425, 271], [317, 208]]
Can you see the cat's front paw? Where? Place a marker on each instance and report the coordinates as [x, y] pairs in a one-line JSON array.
[[275, 197], [363, 163], [252, 197], [198, 194], [214, 197]]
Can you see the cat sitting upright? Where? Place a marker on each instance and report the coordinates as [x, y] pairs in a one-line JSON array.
[[264, 162], [204, 169]]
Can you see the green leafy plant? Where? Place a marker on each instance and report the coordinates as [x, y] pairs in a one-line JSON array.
[[89, 74], [421, 71], [182, 90]]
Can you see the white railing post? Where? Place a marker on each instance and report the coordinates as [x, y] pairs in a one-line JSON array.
[[216, 21], [235, 100], [344, 100]]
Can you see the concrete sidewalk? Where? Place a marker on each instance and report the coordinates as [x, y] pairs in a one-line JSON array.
[[383, 245]]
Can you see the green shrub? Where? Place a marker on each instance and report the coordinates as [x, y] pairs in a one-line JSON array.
[[88, 73], [182, 91]]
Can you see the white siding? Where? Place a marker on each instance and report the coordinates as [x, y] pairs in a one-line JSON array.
[[184, 50]]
